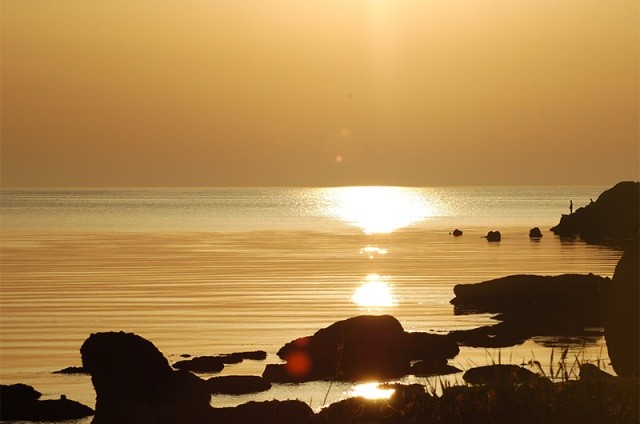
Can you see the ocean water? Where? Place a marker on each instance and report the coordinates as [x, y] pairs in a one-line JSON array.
[[212, 271]]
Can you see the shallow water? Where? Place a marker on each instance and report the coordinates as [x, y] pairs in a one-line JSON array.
[[220, 270]]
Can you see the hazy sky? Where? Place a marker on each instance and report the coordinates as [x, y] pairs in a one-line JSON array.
[[233, 92]]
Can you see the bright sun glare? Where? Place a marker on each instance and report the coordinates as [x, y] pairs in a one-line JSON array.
[[374, 293], [371, 391], [378, 209]]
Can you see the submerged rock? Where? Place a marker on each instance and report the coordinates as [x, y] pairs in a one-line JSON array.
[[202, 364], [21, 402], [622, 331], [355, 349], [613, 217], [71, 370], [237, 384]]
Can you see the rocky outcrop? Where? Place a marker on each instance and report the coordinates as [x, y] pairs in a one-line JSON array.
[[355, 349], [612, 218], [22, 402], [134, 383], [237, 384], [623, 324], [532, 305]]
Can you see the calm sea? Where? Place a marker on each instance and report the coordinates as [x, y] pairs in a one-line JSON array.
[[209, 271]]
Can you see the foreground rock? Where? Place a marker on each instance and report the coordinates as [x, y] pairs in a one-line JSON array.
[[268, 412], [612, 218], [356, 349], [532, 305], [22, 402], [135, 384], [623, 325], [533, 399]]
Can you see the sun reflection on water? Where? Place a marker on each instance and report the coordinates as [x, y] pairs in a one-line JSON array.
[[371, 391], [378, 209], [374, 293]]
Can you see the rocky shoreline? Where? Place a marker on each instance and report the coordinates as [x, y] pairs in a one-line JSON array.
[[134, 382]]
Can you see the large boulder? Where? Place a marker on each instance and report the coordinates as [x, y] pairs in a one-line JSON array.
[[134, 383], [622, 329], [22, 402], [612, 218], [356, 349]]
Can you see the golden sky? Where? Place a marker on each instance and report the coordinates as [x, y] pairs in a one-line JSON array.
[[323, 93]]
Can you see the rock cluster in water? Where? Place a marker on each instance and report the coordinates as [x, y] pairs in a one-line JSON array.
[[358, 348]]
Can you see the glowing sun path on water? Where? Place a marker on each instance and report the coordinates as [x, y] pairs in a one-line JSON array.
[[378, 209]]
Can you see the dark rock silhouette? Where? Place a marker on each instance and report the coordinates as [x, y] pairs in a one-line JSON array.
[[622, 329], [135, 384], [71, 370], [612, 218], [21, 402], [237, 384], [532, 305], [535, 233], [204, 364], [457, 232], [497, 375], [358, 348], [493, 236]]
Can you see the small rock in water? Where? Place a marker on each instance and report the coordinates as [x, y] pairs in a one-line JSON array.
[[457, 232], [493, 236], [535, 233]]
